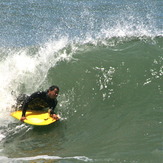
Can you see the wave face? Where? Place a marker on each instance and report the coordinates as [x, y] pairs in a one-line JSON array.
[[106, 57]]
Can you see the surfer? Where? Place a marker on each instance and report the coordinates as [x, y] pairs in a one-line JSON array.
[[40, 100]]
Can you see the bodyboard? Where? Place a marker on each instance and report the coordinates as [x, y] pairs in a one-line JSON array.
[[38, 118]]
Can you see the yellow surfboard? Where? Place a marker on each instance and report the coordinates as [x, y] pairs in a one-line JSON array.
[[35, 117]]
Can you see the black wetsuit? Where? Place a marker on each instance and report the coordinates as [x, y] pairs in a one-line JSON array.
[[39, 101]]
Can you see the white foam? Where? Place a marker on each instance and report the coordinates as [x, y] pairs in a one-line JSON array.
[[46, 157], [2, 136]]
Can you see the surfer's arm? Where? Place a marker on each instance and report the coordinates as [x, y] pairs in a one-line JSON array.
[[24, 108], [52, 113], [23, 114], [24, 111], [52, 107]]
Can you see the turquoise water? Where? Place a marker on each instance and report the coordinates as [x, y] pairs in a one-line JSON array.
[[107, 59]]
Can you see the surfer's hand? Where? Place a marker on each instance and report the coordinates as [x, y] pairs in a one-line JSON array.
[[22, 119], [54, 116]]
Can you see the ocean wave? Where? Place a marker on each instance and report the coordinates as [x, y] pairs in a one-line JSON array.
[[34, 63]]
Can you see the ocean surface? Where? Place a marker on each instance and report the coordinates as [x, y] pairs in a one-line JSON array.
[[107, 58]]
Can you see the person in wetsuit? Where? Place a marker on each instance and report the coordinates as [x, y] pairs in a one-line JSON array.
[[41, 100]]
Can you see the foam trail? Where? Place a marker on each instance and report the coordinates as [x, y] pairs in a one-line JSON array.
[[46, 157]]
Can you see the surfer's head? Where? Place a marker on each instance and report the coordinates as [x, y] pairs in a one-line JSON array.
[[53, 91]]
